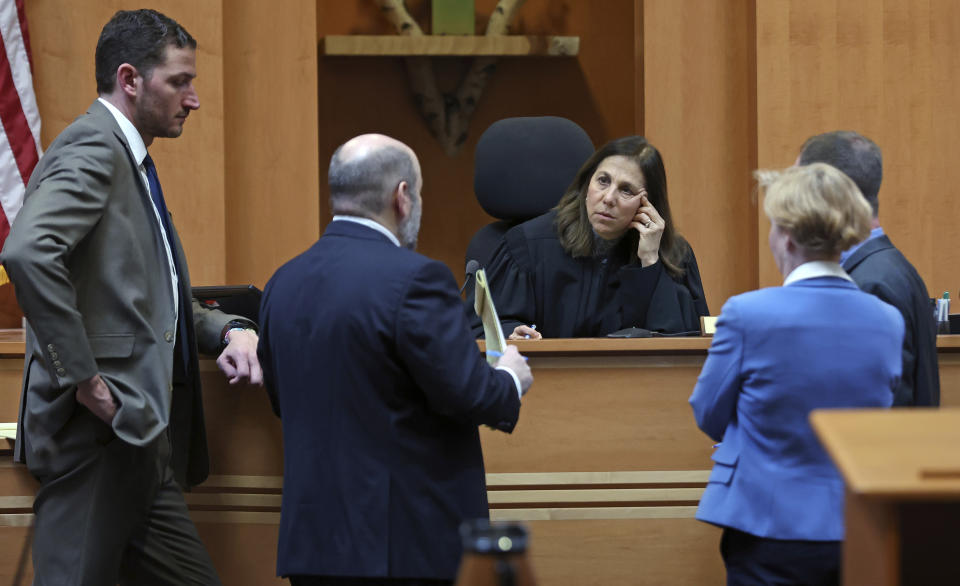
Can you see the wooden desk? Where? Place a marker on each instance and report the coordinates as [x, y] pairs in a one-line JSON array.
[[902, 471], [606, 467]]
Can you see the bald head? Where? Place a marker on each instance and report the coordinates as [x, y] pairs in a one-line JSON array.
[[366, 171], [361, 146]]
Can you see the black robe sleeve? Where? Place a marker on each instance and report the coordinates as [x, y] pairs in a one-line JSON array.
[[534, 281], [511, 286], [650, 298]]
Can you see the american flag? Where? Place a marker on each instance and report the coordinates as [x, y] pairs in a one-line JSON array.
[[20, 140]]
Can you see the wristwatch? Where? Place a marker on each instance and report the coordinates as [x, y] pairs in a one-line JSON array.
[[236, 324]]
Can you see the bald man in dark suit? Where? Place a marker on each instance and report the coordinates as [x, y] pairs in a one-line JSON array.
[[380, 386]]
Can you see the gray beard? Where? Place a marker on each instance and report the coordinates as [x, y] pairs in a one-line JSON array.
[[410, 228]]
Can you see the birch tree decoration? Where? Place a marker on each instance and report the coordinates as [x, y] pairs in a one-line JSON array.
[[448, 113]]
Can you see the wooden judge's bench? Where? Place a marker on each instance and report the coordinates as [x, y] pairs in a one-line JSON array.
[[605, 467]]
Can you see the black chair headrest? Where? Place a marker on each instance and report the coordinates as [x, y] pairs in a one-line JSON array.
[[523, 165]]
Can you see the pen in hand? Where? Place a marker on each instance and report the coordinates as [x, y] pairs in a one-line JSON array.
[[525, 332]]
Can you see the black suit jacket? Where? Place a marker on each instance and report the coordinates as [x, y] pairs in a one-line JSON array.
[[880, 269], [380, 388]]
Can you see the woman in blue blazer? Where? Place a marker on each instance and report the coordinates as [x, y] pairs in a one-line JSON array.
[[778, 353]]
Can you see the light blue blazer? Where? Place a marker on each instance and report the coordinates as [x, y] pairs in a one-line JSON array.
[[778, 354]]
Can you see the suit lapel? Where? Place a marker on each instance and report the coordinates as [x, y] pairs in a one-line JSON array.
[[105, 118], [869, 247]]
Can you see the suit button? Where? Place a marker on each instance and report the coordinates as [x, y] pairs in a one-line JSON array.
[[51, 347], [61, 371], [54, 355], [168, 336], [57, 363]]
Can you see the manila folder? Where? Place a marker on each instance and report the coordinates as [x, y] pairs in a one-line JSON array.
[[492, 332]]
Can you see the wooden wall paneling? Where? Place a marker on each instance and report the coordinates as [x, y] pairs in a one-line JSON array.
[[776, 138], [949, 366], [360, 94], [191, 166], [881, 68], [11, 383], [605, 467], [918, 206], [638, 75], [16, 568], [641, 552], [63, 39], [817, 71], [243, 436], [270, 135], [640, 403], [242, 553], [254, 137], [907, 86], [10, 314], [699, 112]]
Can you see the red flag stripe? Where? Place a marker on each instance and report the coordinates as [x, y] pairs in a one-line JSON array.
[[15, 122], [4, 226]]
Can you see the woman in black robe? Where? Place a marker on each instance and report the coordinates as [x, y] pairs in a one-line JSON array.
[[607, 257]]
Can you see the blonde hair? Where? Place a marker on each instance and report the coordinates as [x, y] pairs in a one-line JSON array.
[[820, 207]]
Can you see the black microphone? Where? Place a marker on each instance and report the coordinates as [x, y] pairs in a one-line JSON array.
[[472, 268]]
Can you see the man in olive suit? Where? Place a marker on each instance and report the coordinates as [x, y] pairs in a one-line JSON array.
[[111, 419]]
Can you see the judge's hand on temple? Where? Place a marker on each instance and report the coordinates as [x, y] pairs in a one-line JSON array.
[[238, 361], [525, 333], [518, 364], [649, 224]]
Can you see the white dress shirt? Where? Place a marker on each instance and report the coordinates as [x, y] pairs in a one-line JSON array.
[[139, 152], [814, 269]]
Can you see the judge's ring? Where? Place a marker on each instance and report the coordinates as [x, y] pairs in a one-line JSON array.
[[647, 225]]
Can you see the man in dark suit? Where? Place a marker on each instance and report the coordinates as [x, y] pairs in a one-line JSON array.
[[879, 268], [380, 387], [111, 415]]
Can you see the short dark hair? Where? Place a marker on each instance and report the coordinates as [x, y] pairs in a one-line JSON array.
[[362, 186], [854, 154], [137, 37], [573, 224]]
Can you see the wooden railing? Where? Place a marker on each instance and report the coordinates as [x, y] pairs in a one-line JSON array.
[[605, 467]]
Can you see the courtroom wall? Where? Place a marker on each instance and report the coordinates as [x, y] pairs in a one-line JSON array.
[[366, 94], [720, 87], [699, 109], [888, 69], [63, 38], [731, 86], [242, 180]]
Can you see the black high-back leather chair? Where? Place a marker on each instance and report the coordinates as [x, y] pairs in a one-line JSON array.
[[521, 168]]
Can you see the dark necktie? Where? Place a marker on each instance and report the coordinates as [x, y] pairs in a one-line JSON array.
[[184, 333]]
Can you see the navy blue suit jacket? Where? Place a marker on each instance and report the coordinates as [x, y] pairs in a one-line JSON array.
[[880, 269], [380, 388], [779, 353]]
